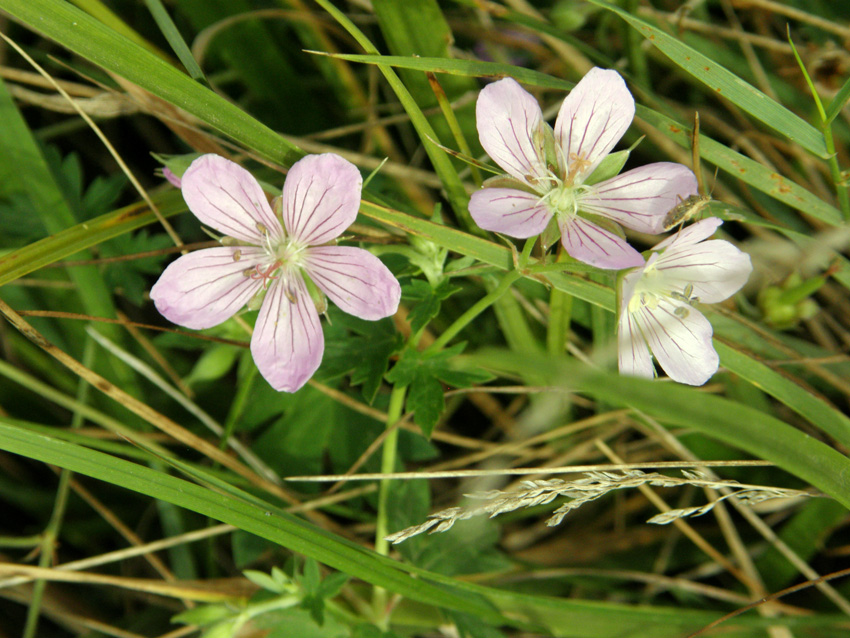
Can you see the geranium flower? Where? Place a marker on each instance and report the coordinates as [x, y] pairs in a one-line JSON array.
[[548, 171], [268, 256], [657, 304]]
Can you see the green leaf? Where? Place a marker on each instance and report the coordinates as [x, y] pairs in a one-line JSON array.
[[361, 348], [423, 371], [804, 402], [428, 300], [425, 399], [838, 102], [728, 85], [203, 615], [178, 45], [261, 579]]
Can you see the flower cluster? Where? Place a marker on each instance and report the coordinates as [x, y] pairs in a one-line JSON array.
[[550, 180], [559, 180], [272, 258]]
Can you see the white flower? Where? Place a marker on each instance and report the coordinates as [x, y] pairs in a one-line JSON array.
[[657, 310]]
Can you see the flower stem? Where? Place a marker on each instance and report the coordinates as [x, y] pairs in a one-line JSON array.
[[479, 307], [388, 461]]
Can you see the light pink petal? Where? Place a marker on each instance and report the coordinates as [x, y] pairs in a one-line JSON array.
[[288, 343], [593, 118], [354, 279], [593, 245], [641, 198], [681, 343], [632, 350], [509, 123], [226, 197], [206, 287], [716, 269], [690, 235], [321, 197], [509, 211]]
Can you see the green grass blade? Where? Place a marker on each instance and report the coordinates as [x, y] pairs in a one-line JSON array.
[[746, 428], [77, 238], [178, 45], [803, 402], [838, 102], [454, 188], [562, 617], [94, 41], [728, 85]]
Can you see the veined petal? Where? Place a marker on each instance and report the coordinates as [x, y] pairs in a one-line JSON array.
[[206, 287], [226, 197], [633, 356], [592, 119], [690, 235], [288, 343], [715, 269], [321, 197], [509, 120], [641, 198], [680, 339], [509, 211], [354, 279], [593, 245]]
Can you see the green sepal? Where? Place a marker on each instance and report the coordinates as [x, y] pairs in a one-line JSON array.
[[609, 167]]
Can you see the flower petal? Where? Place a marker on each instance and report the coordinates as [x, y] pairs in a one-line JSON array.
[[632, 350], [593, 245], [680, 339], [225, 196], [715, 269], [509, 211], [288, 343], [641, 198], [593, 118], [509, 120], [321, 197], [354, 279], [206, 287], [690, 235]]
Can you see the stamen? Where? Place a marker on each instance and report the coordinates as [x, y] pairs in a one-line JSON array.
[[237, 255]]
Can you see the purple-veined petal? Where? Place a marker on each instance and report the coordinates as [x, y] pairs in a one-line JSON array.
[[321, 197], [596, 246], [592, 119], [690, 235], [641, 198], [633, 356], [509, 211], [226, 197], [287, 343], [509, 120], [354, 279], [206, 287], [680, 339], [715, 269]]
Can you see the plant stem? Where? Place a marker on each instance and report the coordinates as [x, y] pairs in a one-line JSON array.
[[388, 461], [835, 171], [479, 307]]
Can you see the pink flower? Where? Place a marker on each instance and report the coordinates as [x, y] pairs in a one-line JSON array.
[[657, 304], [266, 261], [548, 171]]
